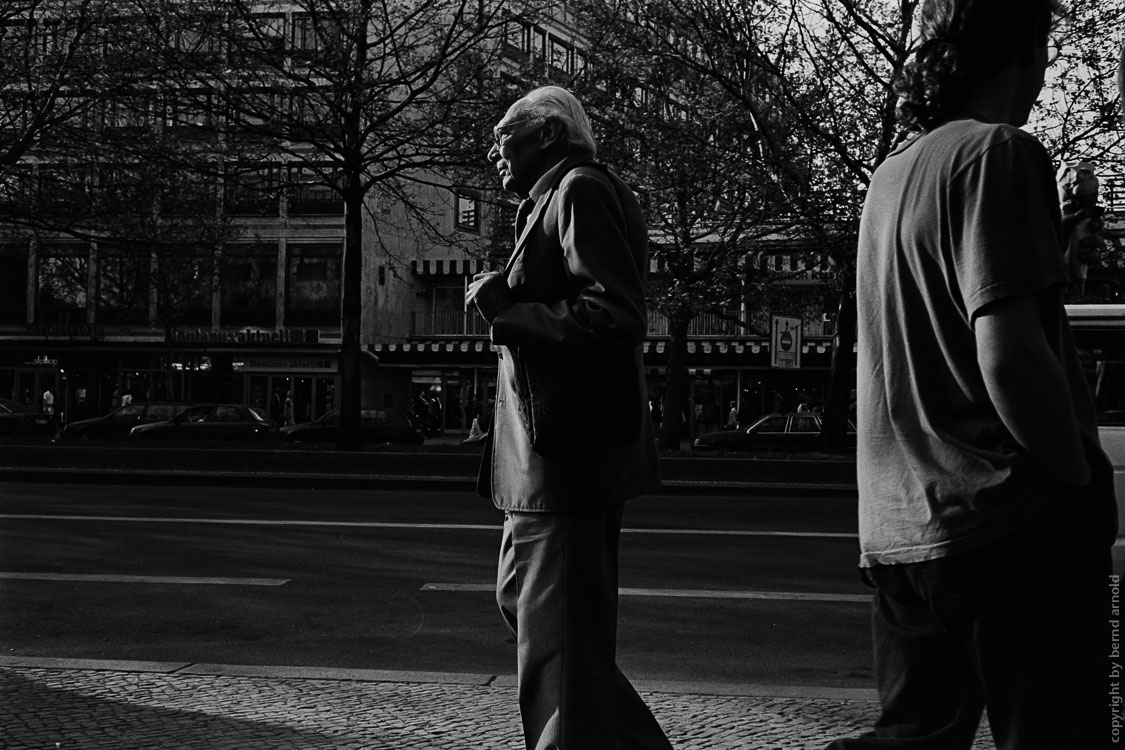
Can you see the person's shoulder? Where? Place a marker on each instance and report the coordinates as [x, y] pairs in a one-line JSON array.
[[972, 137], [587, 173]]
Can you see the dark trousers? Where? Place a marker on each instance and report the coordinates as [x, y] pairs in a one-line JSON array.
[[1020, 627], [557, 590]]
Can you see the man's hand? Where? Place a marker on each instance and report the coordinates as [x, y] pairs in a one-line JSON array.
[[489, 291]]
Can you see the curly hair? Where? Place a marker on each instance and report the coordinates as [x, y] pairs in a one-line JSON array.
[[959, 41]]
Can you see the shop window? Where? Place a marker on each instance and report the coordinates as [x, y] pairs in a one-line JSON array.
[[13, 283], [123, 288], [248, 287], [312, 285], [63, 279]]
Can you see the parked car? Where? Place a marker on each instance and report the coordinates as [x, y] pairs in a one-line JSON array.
[[15, 422], [799, 431], [376, 426], [19, 407], [210, 422], [120, 421]]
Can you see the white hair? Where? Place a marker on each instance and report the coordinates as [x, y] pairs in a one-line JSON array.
[[554, 102]]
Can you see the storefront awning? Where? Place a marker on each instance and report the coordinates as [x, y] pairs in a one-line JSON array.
[[449, 267], [476, 352]]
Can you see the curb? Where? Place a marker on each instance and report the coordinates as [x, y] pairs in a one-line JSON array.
[[423, 678]]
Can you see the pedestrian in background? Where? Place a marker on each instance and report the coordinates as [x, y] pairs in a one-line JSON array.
[[287, 411], [732, 417], [568, 317], [986, 508]]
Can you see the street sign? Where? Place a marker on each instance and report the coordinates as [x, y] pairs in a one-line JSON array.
[[785, 342]]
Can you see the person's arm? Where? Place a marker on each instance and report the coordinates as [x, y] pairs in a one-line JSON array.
[[607, 307], [1028, 387]]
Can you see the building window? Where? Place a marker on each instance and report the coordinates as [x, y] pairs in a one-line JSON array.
[[63, 278], [517, 39], [312, 285], [248, 286], [13, 283], [561, 56], [312, 191], [188, 114], [252, 190], [123, 288], [468, 211], [184, 291], [538, 44], [64, 190]]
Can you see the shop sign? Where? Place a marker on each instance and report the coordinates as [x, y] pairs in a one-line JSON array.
[[279, 364], [69, 331], [785, 342], [247, 336]]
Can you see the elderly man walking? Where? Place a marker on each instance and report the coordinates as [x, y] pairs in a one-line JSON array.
[[570, 439]]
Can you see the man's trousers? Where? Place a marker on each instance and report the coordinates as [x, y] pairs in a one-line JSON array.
[[557, 590], [1020, 627]]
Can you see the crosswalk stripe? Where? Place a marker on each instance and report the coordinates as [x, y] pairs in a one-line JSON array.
[[789, 596], [176, 580], [418, 526]]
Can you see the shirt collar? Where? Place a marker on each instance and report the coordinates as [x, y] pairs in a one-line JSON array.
[[551, 177]]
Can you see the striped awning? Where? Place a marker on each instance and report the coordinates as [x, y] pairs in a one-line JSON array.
[[470, 266], [466, 351], [449, 267]]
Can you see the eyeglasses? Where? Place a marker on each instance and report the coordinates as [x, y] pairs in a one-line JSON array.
[[500, 131]]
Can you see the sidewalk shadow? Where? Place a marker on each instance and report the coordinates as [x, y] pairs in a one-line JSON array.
[[101, 710]]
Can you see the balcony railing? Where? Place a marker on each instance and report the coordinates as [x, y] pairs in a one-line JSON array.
[[470, 323]]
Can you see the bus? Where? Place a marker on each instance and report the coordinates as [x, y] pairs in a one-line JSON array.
[[1099, 332]]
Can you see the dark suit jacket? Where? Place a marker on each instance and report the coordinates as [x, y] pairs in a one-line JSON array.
[[577, 280]]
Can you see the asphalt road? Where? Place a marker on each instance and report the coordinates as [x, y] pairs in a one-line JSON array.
[[752, 589]]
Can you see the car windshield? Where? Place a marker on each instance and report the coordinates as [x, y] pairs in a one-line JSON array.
[[130, 413], [257, 415], [161, 412], [804, 424], [769, 424], [194, 414]]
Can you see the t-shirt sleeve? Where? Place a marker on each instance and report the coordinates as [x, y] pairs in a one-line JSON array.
[[1011, 228]]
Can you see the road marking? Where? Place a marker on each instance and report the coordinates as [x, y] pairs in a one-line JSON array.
[[417, 526], [788, 596], [180, 580]]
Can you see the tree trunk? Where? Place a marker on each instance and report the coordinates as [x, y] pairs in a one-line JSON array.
[[841, 381], [674, 428], [351, 309]]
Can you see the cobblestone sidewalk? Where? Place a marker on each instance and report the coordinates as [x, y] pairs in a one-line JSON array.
[[85, 709]]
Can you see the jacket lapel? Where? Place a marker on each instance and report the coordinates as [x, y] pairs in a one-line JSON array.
[[541, 203], [532, 221]]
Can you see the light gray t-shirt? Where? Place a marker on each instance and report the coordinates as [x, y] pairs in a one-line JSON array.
[[958, 218]]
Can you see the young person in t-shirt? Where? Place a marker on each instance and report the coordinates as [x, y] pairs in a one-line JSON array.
[[986, 509]]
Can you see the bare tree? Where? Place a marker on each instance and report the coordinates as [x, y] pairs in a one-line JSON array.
[[372, 97], [711, 178], [85, 153]]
